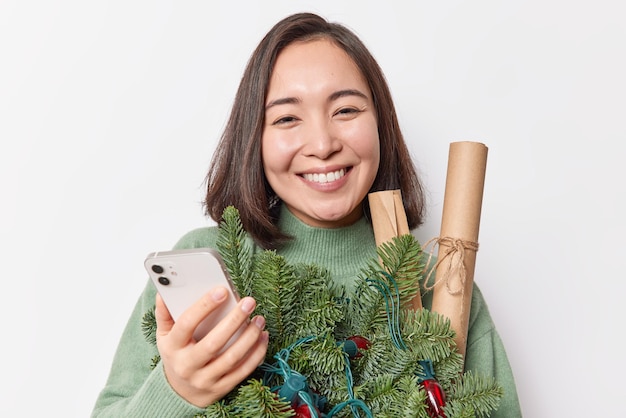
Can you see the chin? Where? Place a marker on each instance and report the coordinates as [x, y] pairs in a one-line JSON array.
[[327, 216], [338, 219]]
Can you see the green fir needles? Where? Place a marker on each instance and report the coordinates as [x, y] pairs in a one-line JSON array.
[[311, 324]]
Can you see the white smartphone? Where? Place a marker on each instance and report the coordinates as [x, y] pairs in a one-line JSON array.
[[183, 276]]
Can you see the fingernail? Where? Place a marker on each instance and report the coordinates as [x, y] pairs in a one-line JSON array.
[[259, 321], [218, 294], [247, 305]]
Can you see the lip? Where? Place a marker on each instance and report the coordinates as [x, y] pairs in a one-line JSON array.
[[327, 186]]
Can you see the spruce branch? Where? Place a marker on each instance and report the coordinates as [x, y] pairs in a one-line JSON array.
[[255, 400], [401, 258], [481, 393], [383, 357], [325, 367], [457, 410], [322, 312], [366, 310], [215, 410], [276, 285], [234, 246], [154, 361], [398, 268], [427, 334], [379, 392], [148, 326], [410, 399]]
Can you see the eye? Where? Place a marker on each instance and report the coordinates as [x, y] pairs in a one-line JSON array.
[[347, 112], [285, 120]]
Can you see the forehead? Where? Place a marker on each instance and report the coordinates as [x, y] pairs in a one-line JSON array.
[[315, 64]]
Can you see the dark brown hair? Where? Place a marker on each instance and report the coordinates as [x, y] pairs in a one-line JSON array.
[[236, 175]]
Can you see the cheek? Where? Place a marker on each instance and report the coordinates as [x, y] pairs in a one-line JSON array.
[[367, 143], [368, 148], [277, 152], [374, 158]]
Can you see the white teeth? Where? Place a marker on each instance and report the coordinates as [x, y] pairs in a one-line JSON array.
[[325, 177]]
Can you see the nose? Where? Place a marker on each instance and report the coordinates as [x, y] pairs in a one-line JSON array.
[[321, 141]]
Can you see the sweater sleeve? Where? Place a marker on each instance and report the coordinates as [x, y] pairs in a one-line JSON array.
[[485, 354], [133, 388]]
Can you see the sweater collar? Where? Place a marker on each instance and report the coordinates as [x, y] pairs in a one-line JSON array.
[[293, 226], [344, 251]]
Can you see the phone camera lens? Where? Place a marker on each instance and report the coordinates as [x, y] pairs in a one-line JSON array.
[[164, 281], [157, 269]]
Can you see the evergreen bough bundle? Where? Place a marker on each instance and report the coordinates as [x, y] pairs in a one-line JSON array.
[[311, 323]]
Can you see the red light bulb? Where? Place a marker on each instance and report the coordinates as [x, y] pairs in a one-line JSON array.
[[435, 396]]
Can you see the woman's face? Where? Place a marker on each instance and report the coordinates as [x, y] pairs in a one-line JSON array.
[[320, 143]]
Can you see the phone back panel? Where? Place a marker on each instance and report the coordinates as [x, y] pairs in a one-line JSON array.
[[183, 276]]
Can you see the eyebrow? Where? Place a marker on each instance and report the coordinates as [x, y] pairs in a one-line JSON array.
[[284, 100], [334, 96], [348, 92]]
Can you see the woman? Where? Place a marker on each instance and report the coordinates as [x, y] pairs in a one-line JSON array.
[[312, 131]]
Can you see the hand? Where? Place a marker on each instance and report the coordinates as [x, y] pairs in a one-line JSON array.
[[196, 370]]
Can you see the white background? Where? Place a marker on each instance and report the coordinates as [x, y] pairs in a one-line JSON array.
[[110, 110]]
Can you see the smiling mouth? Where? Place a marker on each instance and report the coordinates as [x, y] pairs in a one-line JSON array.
[[322, 178]]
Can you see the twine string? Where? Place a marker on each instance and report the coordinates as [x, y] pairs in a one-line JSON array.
[[456, 248]]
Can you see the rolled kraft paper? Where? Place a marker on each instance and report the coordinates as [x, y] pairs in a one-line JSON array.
[[389, 220], [458, 240]]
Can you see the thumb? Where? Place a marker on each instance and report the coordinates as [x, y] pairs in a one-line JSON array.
[[164, 319]]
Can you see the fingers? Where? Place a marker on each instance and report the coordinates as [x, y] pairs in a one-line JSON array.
[[231, 326], [215, 341], [246, 341], [247, 364], [221, 376], [187, 323], [242, 358], [204, 371]]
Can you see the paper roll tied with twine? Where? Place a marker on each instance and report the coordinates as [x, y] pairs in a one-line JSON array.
[[389, 220], [458, 239]]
